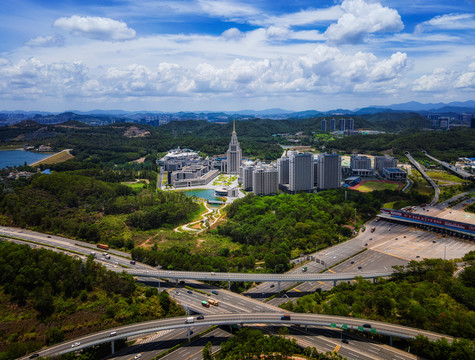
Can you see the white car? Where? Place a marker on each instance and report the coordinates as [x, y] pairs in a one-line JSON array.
[[75, 344], [138, 356]]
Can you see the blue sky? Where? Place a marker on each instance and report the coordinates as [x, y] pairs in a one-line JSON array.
[[231, 55]]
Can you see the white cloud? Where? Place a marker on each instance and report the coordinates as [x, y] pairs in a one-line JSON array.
[[303, 17], [99, 28], [466, 81], [46, 41], [361, 18], [31, 78], [325, 70], [448, 22], [233, 34], [227, 9]]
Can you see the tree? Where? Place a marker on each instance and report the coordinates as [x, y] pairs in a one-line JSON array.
[[54, 335], [207, 351]]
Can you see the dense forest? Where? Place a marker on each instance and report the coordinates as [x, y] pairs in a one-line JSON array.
[[303, 222], [47, 297], [423, 295], [446, 145], [77, 205], [271, 230], [250, 343], [111, 143]]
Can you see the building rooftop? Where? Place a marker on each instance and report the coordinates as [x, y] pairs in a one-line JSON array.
[[394, 170]]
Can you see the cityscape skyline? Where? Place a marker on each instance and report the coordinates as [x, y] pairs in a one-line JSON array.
[[223, 55]]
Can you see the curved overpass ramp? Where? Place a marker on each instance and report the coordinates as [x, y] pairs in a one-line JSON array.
[[425, 176], [242, 318]]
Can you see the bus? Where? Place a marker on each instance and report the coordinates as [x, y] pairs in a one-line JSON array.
[[205, 303], [103, 246], [213, 302]]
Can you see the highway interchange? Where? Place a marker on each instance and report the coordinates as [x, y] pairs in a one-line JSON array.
[[314, 320], [374, 251]]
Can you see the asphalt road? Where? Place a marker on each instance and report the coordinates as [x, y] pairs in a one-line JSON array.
[[240, 318], [230, 302]]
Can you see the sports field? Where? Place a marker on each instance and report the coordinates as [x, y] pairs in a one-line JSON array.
[[372, 185]]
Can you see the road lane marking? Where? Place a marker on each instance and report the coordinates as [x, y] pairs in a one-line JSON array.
[[400, 257], [335, 350]]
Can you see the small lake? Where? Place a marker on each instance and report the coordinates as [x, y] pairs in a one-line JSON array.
[[19, 157], [206, 194]]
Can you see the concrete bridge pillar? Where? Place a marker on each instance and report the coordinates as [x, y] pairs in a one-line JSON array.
[[334, 282], [112, 347], [278, 286], [188, 333], [229, 285], [390, 340]]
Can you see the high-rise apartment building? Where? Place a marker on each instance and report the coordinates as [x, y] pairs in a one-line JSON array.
[[329, 171], [342, 124], [234, 154], [265, 180], [301, 172], [332, 124], [247, 177], [283, 170], [324, 124], [350, 126]]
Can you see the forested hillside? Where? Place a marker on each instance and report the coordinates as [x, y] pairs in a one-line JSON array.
[[446, 145], [82, 207], [423, 295], [110, 144], [47, 297], [270, 230]]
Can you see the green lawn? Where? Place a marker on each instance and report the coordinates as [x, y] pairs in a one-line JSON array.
[[373, 185], [444, 176], [135, 186]]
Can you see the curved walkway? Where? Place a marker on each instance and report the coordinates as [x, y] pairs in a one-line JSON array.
[[210, 215]]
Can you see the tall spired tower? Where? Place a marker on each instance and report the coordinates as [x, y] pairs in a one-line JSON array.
[[234, 153]]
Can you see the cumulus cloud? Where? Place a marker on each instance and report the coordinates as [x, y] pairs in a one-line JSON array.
[[325, 70], [233, 34], [443, 80], [32, 78], [46, 41], [361, 18], [98, 28], [448, 22]]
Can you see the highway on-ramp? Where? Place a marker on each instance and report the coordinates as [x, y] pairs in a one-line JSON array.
[[427, 177]]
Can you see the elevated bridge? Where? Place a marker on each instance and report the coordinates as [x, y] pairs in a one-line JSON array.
[[149, 327]]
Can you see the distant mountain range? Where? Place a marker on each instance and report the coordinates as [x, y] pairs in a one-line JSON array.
[[101, 117]]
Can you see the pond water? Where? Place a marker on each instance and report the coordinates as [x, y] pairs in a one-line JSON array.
[[206, 194], [19, 157]]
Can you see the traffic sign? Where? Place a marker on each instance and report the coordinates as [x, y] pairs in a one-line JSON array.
[[344, 326], [360, 328], [333, 325]]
